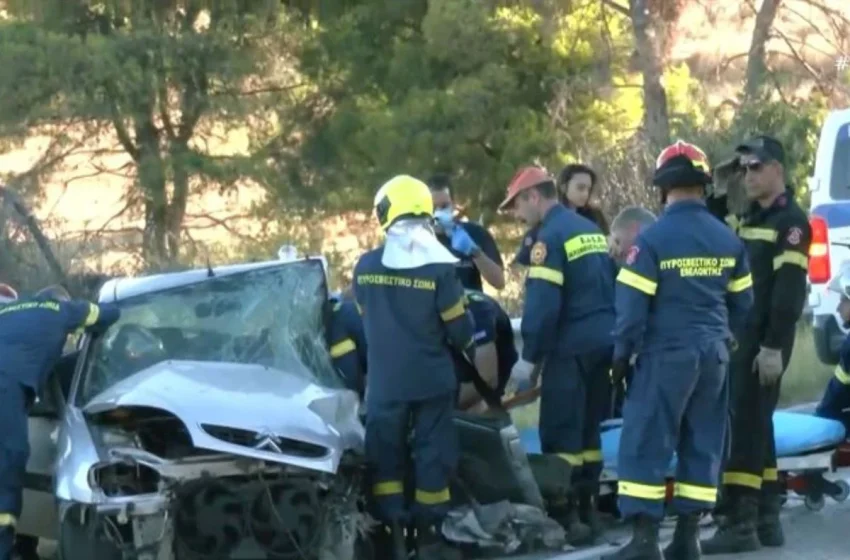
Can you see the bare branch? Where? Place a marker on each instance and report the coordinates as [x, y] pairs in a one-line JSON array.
[[622, 10]]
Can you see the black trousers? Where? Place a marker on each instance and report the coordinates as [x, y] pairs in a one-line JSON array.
[[752, 459]]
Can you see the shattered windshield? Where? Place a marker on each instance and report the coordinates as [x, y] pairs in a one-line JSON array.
[[270, 316]]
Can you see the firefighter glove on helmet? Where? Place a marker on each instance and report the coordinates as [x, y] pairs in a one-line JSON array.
[[681, 165], [402, 196]]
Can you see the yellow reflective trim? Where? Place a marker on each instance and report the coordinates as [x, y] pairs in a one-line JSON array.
[[641, 491], [574, 459], [453, 312], [791, 257], [342, 348], [592, 455], [695, 492], [548, 274], [637, 282], [388, 488], [758, 234], [93, 316], [740, 284], [742, 479], [732, 221], [770, 475], [359, 309], [585, 244], [8, 520], [433, 498], [842, 375]]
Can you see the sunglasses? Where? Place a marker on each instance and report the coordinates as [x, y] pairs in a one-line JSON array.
[[754, 166]]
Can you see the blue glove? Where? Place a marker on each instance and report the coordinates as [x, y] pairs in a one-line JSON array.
[[445, 220], [462, 242]]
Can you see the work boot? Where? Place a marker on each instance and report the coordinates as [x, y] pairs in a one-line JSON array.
[[644, 543], [588, 512], [769, 528], [738, 532], [685, 544], [431, 546], [390, 542], [567, 515]]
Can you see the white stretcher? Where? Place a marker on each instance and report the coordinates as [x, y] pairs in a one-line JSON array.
[[805, 444]]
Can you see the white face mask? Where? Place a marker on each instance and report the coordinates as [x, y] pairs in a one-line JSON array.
[[443, 215]]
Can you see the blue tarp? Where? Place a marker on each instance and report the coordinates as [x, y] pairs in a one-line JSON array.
[[796, 434]]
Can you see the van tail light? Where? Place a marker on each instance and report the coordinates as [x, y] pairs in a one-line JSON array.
[[819, 269]]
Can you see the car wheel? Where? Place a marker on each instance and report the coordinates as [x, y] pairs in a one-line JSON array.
[[81, 536]]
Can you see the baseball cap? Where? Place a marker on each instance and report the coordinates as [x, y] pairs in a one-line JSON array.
[[765, 148], [526, 178]]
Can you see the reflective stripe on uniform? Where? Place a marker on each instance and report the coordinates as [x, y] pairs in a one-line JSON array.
[[585, 244], [427, 498], [592, 455], [454, 311], [641, 491], [342, 348], [770, 475], [791, 257], [742, 479], [92, 317], [758, 234], [388, 488], [695, 492], [547, 274], [740, 284], [8, 520], [573, 459], [842, 375], [637, 282]]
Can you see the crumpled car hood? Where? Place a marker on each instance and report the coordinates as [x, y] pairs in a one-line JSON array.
[[273, 403]]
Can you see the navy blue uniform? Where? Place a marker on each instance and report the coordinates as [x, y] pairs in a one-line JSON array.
[[467, 271], [32, 335], [411, 317], [685, 283], [566, 324], [347, 343], [493, 326], [835, 403]]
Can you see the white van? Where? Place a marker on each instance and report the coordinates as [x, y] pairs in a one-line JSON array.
[[830, 221]]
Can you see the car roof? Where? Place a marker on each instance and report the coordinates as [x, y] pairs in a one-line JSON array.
[[119, 289]]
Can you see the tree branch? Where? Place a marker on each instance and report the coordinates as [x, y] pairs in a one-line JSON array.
[[622, 10]]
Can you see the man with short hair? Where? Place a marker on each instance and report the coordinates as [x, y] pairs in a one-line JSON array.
[[625, 229], [777, 235], [470, 242], [567, 321]]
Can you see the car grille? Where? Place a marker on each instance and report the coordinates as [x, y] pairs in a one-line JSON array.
[[265, 442]]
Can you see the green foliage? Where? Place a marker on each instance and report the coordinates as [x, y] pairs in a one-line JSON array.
[[448, 85]]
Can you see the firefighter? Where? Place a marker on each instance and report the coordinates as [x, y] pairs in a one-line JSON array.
[[32, 334], [495, 351], [347, 343], [684, 287], [566, 331], [625, 229], [835, 403], [412, 302], [776, 233]]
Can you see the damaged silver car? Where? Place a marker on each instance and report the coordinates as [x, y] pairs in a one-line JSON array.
[[209, 422]]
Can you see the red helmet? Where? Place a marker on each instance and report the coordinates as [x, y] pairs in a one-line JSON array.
[[682, 164], [7, 293], [525, 178]]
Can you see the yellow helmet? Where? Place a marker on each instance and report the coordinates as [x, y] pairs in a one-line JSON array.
[[403, 196]]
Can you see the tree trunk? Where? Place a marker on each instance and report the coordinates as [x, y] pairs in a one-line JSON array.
[[756, 60], [179, 198], [648, 46]]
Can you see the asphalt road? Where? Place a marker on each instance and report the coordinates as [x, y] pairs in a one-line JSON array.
[[810, 535]]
